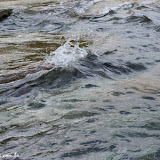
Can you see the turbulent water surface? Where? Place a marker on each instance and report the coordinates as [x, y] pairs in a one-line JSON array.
[[80, 79]]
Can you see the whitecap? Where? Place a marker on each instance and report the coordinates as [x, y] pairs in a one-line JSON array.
[[67, 55]]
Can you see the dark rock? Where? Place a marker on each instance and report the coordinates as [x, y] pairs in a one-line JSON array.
[[4, 13]]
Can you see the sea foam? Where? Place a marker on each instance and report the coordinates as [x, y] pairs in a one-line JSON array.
[[67, 55]]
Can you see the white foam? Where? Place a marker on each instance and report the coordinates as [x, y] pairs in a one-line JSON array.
[[84, 6], [148, 2], [126, 5], [67, 55], [79, 7]]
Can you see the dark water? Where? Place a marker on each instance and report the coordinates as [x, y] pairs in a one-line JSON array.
[[80, 80]]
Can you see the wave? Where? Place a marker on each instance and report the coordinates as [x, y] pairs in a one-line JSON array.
[[70, 62], [67, 54]]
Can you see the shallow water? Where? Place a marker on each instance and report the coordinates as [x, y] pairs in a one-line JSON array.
[[80, 80]]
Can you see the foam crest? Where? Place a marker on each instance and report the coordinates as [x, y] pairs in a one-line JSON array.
[[79, 7], [82, 7], [126, 6], [67, 55]]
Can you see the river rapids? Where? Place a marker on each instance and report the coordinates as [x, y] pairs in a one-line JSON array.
[[80, 79]]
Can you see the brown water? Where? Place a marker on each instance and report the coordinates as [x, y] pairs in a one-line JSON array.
[[80, 80]]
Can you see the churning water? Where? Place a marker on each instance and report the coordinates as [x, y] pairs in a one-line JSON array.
[[79, 79]]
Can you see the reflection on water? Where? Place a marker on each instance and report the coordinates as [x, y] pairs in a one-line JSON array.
[[80, 79]]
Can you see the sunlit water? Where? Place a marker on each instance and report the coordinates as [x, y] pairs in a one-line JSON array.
[[80, 80]]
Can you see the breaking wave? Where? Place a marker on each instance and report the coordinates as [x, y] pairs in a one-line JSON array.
[[67, 55]]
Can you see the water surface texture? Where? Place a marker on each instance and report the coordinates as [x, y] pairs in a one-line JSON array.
[[80, 79]]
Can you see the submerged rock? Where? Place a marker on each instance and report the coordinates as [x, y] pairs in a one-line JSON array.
[[4, 13]]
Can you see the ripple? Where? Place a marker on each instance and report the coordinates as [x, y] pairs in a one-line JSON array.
[[78, 114]]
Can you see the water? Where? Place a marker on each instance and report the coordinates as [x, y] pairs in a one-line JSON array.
[[80, 80]]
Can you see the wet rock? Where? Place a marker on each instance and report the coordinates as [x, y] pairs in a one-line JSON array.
[[4, 13]]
